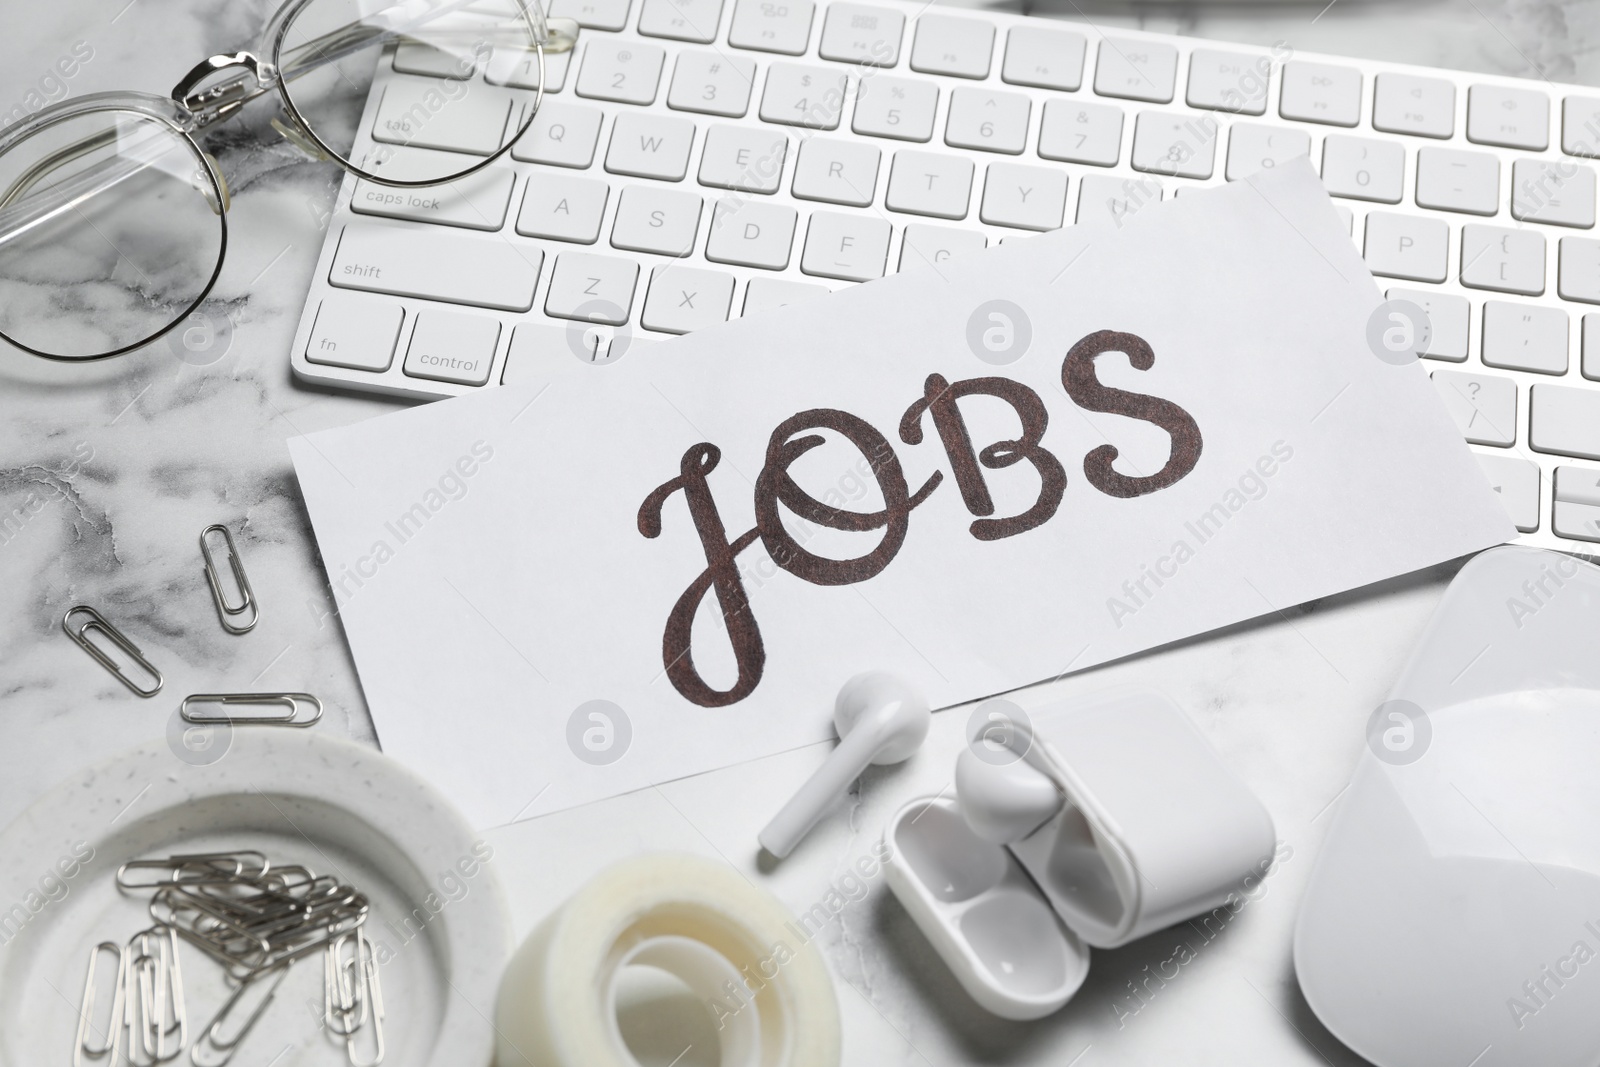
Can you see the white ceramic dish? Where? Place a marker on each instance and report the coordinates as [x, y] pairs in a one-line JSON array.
[[442, 935]]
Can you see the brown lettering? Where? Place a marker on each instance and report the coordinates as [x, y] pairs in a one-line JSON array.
[[939, 399], [721, 571], [1078, 376], [774, 485]]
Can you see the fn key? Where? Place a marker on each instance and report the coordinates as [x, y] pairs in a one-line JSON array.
[[450, 347], [359, 334]]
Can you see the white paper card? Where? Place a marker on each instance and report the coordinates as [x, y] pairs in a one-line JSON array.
[[1072, 494]]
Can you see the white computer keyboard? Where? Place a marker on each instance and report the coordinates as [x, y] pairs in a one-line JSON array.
[[697, 160]]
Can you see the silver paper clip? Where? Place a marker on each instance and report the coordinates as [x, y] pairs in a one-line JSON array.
[[153, 999], [290, 702], [98, 622], [111, 1033], [219, 1049], [352, 996], [226, 613]]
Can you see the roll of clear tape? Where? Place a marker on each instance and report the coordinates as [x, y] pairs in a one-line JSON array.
[[733, 945]]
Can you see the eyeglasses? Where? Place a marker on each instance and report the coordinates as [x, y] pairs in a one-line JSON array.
[[113, 222]]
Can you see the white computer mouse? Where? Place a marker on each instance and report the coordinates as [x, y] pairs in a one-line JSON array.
[[1453, 916]]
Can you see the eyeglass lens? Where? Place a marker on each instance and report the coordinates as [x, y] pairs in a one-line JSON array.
[[110, 231], [461, 97]]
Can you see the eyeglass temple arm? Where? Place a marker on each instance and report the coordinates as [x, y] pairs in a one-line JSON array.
[[18, 216], [251, 78], [553, 35], [223, 98], [59, 158]]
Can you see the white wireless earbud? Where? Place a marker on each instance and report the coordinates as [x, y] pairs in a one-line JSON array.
[[880, 720], [1004, 802]]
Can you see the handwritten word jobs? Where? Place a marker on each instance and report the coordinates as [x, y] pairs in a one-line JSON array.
[[939, 404]]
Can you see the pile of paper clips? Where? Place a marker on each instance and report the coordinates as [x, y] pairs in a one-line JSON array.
[[253, 919]]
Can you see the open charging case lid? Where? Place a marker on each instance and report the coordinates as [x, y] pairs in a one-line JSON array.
[[1153, 829]]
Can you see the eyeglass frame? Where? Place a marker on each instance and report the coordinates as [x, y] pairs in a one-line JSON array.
[[193, 106]]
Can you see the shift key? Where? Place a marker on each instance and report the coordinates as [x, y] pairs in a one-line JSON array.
[[435, 264]]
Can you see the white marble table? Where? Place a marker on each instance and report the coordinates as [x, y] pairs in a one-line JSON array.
[[131, 459]]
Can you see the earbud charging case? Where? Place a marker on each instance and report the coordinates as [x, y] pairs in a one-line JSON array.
[[1154, 830]]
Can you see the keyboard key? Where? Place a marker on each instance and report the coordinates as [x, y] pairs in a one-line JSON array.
[[959, 47], [1407, 103], [1577, 502], [751, 234], [711, 84], [1044, 58], [519, 68], [798, 95], [1448, 319], [436, 264], [1564, 421], [592, 14], [450, 347], [857, 33], [1505, 260], [681, 20], [1136, 70], [1458, 181], [1081, 133], [562, 135], [645, 145], [993, 122], [476, 202], [1580, 270], [1104, 199], [1578, 521], [1228, 81], [852, 248], [652, 219], [782, 26], [416, 113], [425, 60], [563, 207], [1167, 143], [924, 183], [628, 72], [839, 172], [1517, 481], [1559, 193], [1510, 118], [1318, 92], [901, 108], [1362, 168], [763, 294], [686, 298], [1580, 126], [929, 246], [592, 288], [1254, 146], [1407, 246], [1591, 347], [738, 157], [1524, 337], [1579, 485], [355, 332], [1483, 405], [1029, 198], [536, 346]]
